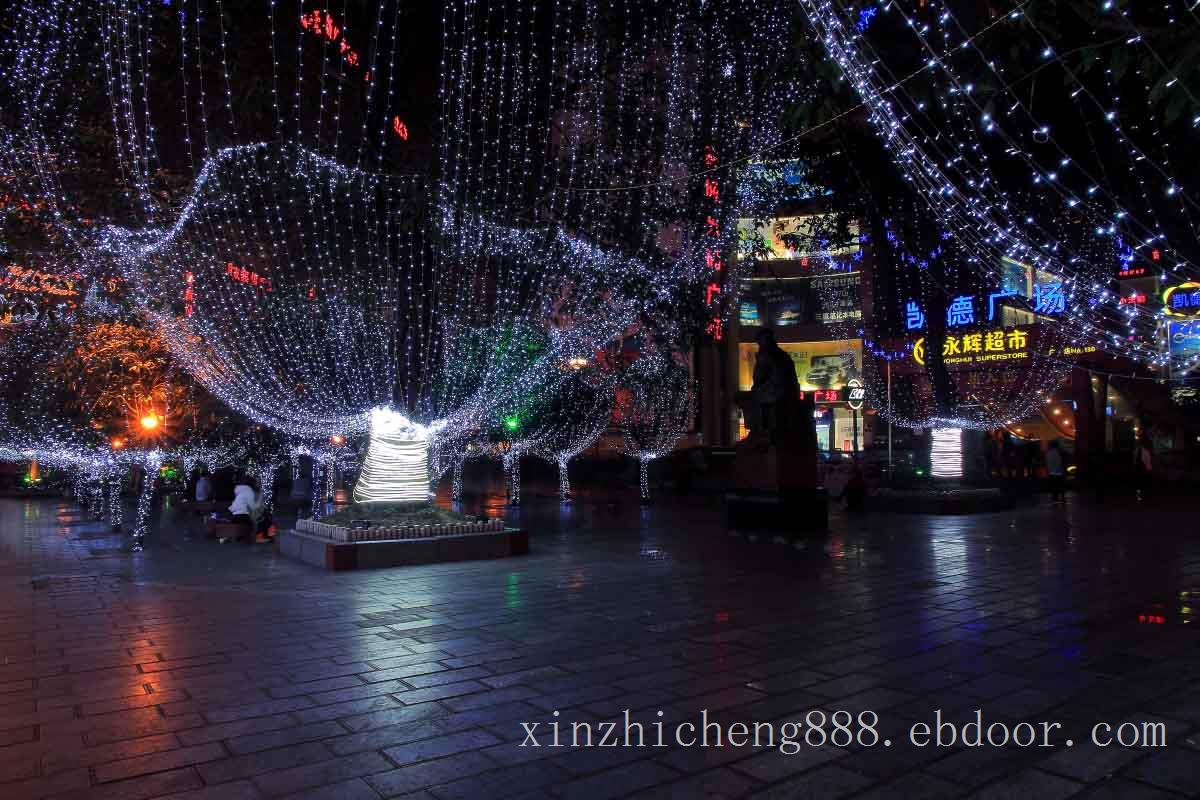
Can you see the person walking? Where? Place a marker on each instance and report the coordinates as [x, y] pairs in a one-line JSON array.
[[1056, 471]]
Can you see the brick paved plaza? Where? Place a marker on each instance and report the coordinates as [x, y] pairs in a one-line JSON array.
[[197, 670]]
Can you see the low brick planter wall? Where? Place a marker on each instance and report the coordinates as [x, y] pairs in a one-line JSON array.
[[377, 533], [328, 553]]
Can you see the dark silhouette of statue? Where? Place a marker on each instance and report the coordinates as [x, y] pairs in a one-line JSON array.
[[780, 452], [776, 390]]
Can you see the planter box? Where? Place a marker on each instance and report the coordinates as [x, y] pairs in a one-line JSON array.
[[324, 552]]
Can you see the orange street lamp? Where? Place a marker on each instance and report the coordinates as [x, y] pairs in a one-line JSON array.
[[150, 422]]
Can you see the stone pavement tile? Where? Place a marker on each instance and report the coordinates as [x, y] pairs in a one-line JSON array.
[[616, 782], [978, 765], [131, 725], [231, 730], [447, 676], [73, 781], [132, 701], [392, 735], [1088, 763], [57, 759], [1120, 789], [238, 767], [320, 671], [915, 785], [713, 784], [788, 682], [502, 783], [440, 746], [157, 762], [491, 697], [353, 789], [532, 676], [948, 701], [281, 738], [563, 700], [774, 765], [360, 691], [877, 699], [422, 775], [241, 790], [845, 685], [263, 709], [1023, 703], [148, 786], [584, 760], [349, 708], [994, 685], [393, 716], [1186, 707], [310, 776], [882, 762], [825, 783], [690, 760], [19, 769], [1175, 769], [1026, 784], [422, 663], [417, 665], [314, 687], [441, 692]]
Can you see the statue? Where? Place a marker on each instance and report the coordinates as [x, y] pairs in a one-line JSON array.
[[775, 394], [780, 453]]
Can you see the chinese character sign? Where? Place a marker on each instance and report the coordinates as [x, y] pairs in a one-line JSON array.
[[961, 311], [999, 345], [1182, 300], [914, 317], [1048, 298], [248, 277], [712, 254]]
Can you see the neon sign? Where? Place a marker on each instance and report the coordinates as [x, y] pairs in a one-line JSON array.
[[979, 348], [400, 129], [189, 294], [961, 311], [1134, 300], [856, 394], [1048, 298], [323, 24], [248, 277], [1182, 300], [33, 281], [712, 253], [914, 317]]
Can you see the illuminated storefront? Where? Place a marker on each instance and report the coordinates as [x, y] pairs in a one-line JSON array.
[[828, 370]]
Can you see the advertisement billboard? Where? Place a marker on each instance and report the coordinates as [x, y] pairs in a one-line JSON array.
[[819, 365]]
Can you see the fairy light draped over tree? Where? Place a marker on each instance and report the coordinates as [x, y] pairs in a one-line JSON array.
[[581, 194], [305, 284]]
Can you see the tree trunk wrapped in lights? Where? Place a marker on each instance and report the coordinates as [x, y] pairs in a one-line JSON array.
[[396, 467], [654, 408]]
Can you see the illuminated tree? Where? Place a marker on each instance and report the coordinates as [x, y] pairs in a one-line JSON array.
[[653, 410]]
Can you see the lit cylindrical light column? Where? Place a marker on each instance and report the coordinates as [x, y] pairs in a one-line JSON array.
[[946, 453], [396, 468]]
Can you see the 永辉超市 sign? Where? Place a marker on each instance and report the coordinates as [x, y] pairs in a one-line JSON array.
[[983, 347]]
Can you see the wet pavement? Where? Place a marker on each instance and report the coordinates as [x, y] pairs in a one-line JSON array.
[[198, 670]]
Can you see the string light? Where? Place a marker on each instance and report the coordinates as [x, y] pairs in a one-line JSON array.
[[946, 454]]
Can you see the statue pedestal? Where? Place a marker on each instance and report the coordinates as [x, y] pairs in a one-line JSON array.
[[775, 481]]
